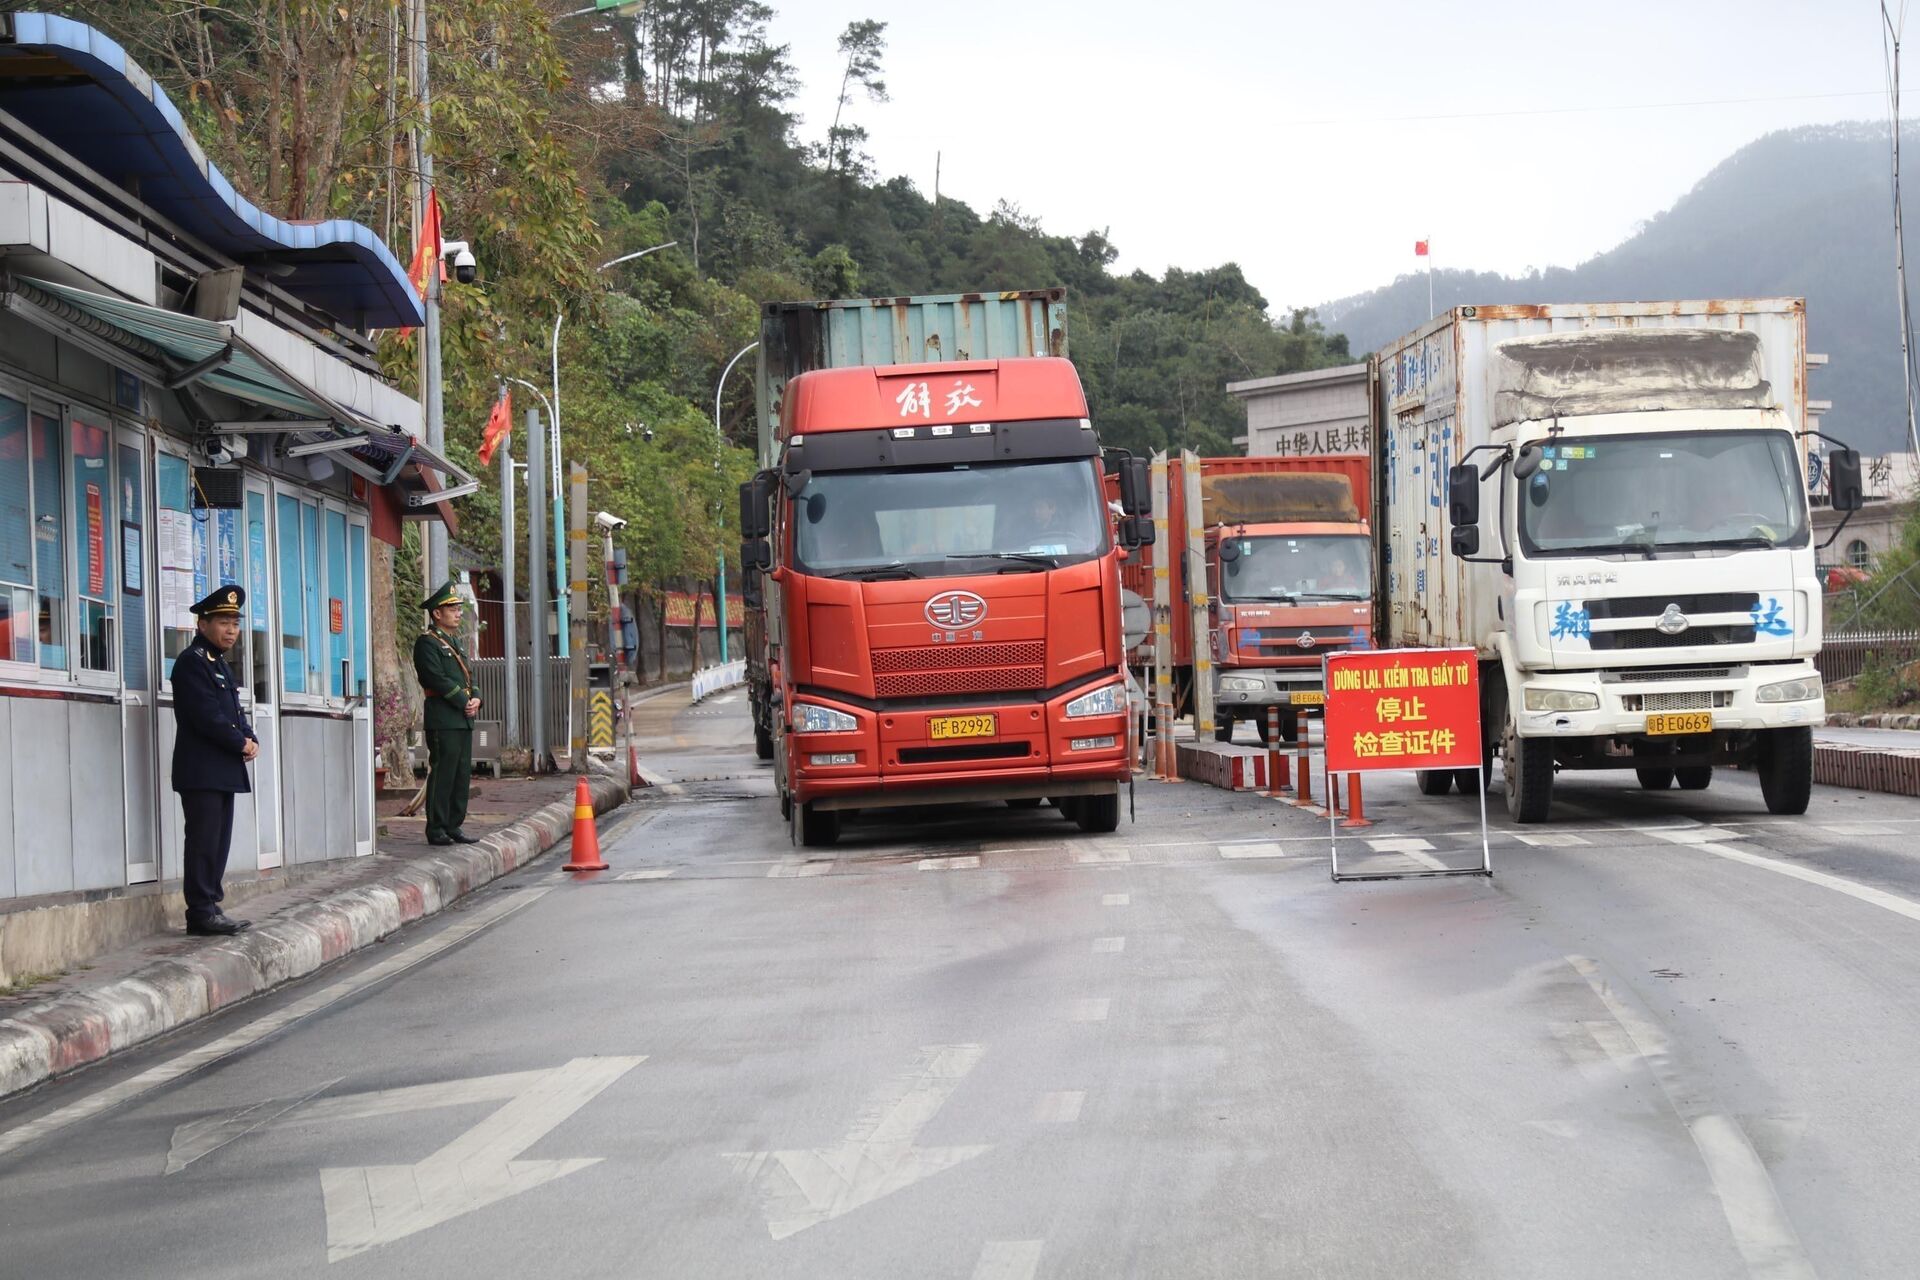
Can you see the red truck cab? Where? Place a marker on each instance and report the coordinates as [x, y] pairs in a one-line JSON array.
[[942, 593]]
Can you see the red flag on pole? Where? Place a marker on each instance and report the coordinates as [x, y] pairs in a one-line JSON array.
[[1419, 248], [499, 425], [426, 252]]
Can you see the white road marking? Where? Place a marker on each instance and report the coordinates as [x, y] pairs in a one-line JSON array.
[[1398, 844], [798, 870], [1116, 899], [1839, 884], [649, 873], [1857, 829], [803, 1188], [1009, 1260], [1109, 946], [1059, 1108], [187, 1063], [966, 863], [1110, 854], [1089, 1010], [378, 1204], [1692, 835], [1761, 1229], [1550, 839], [1252, 849]]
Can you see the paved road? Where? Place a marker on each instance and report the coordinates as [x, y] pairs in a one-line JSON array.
[[1674, 1037]]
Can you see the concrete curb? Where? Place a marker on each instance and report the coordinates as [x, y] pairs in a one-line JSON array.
[[77, 1028], [1874, 720]]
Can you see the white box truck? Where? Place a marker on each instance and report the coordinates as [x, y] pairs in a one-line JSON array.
[[1609, 503]]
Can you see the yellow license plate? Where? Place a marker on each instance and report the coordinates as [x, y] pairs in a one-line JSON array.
[[1309, 698], [941, 728], [1675, 722]]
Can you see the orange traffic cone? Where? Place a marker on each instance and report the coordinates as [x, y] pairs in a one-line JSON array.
[[586, 838]]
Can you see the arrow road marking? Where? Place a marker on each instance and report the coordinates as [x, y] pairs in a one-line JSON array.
[[378, 1204], [877, 1157]]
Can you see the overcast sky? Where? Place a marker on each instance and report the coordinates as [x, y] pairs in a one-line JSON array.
[[1314, 143]]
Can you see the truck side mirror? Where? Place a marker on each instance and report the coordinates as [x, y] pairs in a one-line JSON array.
[[755, 556], [1844, 489], [1463, 497], [1136, 531], [1466, 540], [755, 518], [1136, 495]]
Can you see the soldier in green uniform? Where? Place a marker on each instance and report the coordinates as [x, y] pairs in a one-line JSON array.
[[451, 706]]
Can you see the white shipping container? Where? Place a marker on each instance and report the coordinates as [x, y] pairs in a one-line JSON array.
[[1433, 394]]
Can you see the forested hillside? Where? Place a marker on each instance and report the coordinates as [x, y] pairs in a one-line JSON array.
[[1803, 213]]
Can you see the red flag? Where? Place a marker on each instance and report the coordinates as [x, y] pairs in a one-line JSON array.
[[499, 425], [426, 249], [1419, 248]]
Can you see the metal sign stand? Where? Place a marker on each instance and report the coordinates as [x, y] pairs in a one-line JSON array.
[[1486, 852]]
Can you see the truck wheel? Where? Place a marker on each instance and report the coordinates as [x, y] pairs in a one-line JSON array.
[[762, 742], [1696, 777], [1223, 729], [1654, 779], [1435, 782], [1069, 807], [1467, 781], [1786, 769], [1098, 814], [1029, 802], [818, 826], [1528, 764]]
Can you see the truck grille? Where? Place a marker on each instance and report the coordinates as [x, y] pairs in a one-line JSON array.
[[1692, 606], [1648, 638], [1695, 700], [959, 668], [1675, 673]]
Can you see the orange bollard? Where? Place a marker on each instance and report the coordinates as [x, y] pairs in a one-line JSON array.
[[1274, 768], [1306, 768], [586, 838], [1356, 810]]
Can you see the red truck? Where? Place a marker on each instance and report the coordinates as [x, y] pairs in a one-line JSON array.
[[939, 571], [1288, 558]]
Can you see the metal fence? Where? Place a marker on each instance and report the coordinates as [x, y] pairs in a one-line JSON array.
[[490, 674], [1845, 655]]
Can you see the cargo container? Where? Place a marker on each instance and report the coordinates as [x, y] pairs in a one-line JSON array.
[[1608, 502], [1285, 541], [937, 567], [798, 337]]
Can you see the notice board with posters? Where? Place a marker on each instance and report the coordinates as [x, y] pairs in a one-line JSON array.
[[1399, 709]]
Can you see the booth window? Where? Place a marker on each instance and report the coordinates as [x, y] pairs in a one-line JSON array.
[[261, 668], [293, 628], [173, 573], [93, 541], [43, 438], [316, 605], [338, 606], [17, 628], [133, 575], [357, 605]]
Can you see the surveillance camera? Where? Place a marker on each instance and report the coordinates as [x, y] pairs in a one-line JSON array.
[[460, 254], [608, 521]]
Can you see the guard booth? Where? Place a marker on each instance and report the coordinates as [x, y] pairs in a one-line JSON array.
[[188, 395]]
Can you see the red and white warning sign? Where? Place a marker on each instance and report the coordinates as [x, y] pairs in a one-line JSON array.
[[1405, 709]]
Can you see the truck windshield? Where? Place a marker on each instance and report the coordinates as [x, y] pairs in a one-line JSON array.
[[1672, 491], [1331, 567], [1024, 516]]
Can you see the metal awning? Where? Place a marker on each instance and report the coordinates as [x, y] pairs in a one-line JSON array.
[[176, 350]]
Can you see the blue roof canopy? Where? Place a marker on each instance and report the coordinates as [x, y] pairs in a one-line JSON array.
[[80, 90]]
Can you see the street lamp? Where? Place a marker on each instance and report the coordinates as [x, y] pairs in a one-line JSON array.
[[553, 414], [719, 441]]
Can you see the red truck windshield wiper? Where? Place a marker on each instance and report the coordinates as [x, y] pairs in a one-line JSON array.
[[876, 572], [1024, 557]]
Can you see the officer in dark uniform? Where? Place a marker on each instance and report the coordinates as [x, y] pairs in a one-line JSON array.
[[451, 706], [211, 747]]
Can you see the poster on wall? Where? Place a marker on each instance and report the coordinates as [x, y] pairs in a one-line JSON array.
[[227, 548], [96, 543], [175, 563], [130, 567], [257, 572]]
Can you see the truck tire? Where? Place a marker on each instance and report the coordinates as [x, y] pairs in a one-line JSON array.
[[1069, 807], [1223, 729], [1028, 802], [1655, 778], [1098, 814], [1467, 781], [1785, 765], [762, 742], [818, 826], [1528, 765], [1434, 782], [1695, 777]]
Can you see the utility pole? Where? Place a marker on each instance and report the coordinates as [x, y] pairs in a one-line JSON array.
[[509, 606], [430, 337], [577, 682], [537, 581]]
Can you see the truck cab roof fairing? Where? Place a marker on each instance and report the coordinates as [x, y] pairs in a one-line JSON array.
[[918, 395]]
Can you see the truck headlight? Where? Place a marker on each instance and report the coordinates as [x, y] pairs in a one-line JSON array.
[[811, 719], [1804, 689], [1106, 701], [1240, 684], [1562, 700]]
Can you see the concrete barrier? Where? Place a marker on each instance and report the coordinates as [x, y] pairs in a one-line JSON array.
[[1223, 765], [1861, 768]]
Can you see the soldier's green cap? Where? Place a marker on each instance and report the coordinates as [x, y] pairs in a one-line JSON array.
[[445, 595]]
